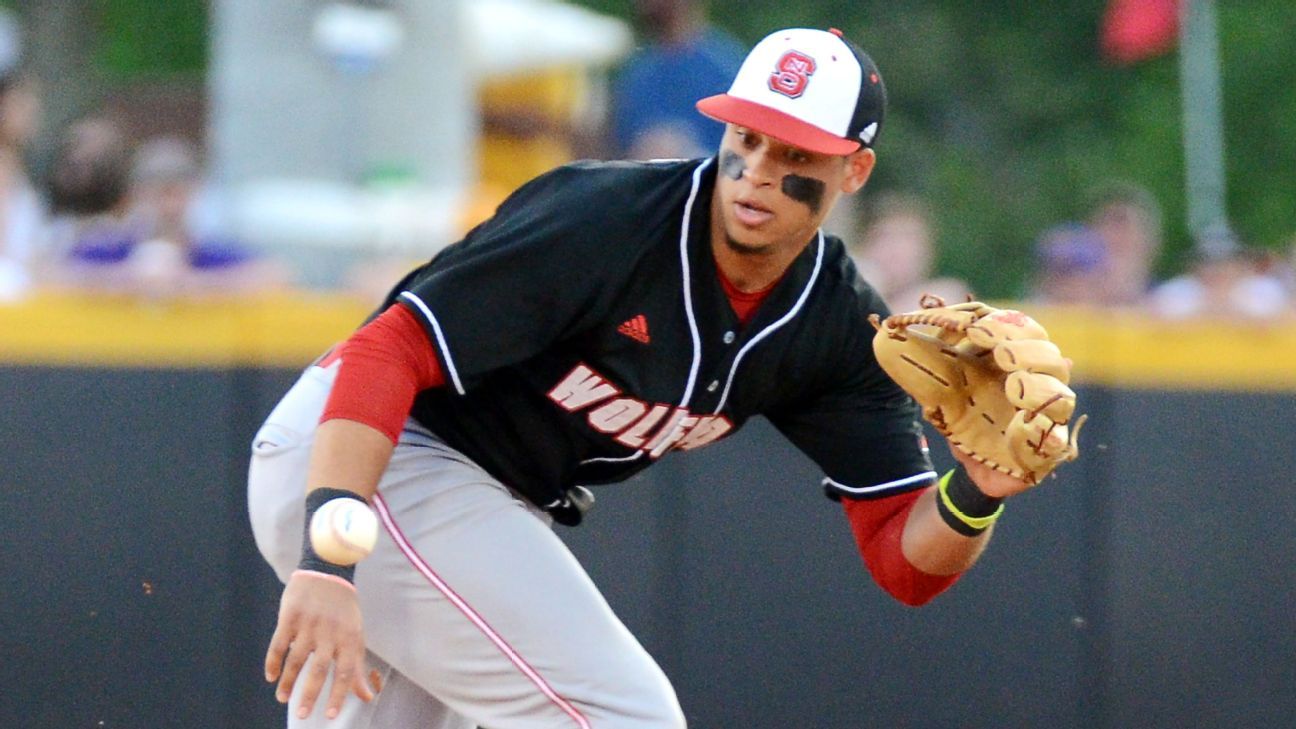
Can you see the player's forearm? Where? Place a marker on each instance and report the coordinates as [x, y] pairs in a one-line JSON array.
[[348, 455], [381, 369], [930, 545]]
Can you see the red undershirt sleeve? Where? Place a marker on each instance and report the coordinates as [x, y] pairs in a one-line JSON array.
[[878, 525], [384, 365]]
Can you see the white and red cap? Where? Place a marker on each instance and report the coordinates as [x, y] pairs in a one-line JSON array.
[[809, 88]]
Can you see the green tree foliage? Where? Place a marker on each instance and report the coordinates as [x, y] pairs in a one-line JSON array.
[[148, 37], [1004, 115]]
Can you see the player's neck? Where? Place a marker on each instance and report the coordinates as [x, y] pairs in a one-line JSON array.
[[750, 270]]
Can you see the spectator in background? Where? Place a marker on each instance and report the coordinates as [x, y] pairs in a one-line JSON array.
[[167, 181], [22, 210], [1128, 219], [132, 220], [1227, 280], [896, 253], [1071, 267], [685, 59], [88, 183]]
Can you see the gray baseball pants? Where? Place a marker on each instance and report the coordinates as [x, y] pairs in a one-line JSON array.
[[475, 612]]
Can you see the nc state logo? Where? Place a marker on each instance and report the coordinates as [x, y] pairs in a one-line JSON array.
[[792, 73]]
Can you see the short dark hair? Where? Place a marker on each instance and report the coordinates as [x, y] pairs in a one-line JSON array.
[[894, 203], [1124, 192], [91, 169]]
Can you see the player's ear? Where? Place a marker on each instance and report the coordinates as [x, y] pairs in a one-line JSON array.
[[859, 165]]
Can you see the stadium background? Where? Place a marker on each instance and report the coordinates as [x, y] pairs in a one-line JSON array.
[[1149, 585]]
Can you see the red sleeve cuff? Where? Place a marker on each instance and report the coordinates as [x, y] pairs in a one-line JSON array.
[[383, 366], [878, 526]]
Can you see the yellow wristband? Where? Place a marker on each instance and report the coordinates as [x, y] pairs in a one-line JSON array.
[[975, 522]]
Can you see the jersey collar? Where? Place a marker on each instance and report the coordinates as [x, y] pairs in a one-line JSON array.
[[705, 302]]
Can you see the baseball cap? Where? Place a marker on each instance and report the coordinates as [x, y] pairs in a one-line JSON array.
[[813, 89]]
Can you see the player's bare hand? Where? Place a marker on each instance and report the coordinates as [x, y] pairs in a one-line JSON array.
[[991, 482], [319, 628]]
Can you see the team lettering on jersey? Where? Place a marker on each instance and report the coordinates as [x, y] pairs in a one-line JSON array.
[[653, 428]]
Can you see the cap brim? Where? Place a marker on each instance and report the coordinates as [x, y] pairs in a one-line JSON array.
[[781, 126]]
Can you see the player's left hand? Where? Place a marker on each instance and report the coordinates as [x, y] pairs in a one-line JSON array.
[[990, 381], [991, 482], [319, 622]]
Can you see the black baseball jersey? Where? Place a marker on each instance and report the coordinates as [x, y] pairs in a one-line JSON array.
[[584, 333]]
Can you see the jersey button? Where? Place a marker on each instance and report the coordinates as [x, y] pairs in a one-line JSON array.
[[715, 385], [729, 337]]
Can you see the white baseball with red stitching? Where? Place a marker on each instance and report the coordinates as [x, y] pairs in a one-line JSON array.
[[343, 531]]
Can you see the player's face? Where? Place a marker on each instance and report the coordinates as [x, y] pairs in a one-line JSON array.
[[772, 195]]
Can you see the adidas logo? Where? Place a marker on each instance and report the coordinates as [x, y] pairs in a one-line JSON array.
[[636, 328]]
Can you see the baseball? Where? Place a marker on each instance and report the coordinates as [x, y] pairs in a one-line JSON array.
[[343, 531]]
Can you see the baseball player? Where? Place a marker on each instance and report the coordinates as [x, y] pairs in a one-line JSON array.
[[608, 314]]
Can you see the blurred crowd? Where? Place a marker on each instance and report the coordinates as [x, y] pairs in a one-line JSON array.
[[112, 213], [117, 213], [1109, 260]]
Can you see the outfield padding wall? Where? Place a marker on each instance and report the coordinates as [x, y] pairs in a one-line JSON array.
[[1150, 584]]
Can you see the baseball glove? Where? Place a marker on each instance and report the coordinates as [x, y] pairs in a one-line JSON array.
[[988, 379]]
